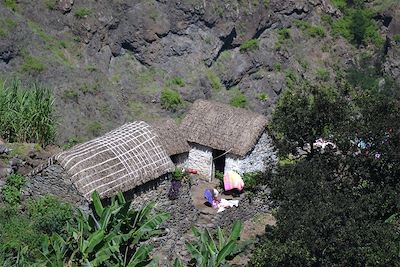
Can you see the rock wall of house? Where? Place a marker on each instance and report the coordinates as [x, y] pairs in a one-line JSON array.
[[262, 156], [54, 180], [201, 159]]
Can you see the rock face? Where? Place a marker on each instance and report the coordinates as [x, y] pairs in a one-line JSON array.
[[115, 57]]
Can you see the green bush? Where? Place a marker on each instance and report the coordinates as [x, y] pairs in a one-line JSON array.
[[313, 31], [251, 180], [26, 114], [94, 128], [32, 64], [396, 38], [49, 214], [179, 174], [11, 4], [214, 80], [283, 35], [82, 12], [249, 45], [239, 100], [263, 97], [323, 75], [209, 251], [11, 191], [171, 99], [176, 81], [51, 4]]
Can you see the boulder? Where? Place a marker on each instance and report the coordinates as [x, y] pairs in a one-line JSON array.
[[65, 6]]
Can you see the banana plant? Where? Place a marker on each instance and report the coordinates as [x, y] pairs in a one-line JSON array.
[[207, 252], [109, 236]]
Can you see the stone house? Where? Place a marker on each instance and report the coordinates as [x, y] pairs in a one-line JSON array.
[[224, 138], [121, 160]]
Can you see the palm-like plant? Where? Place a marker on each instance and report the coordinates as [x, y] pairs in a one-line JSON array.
[[207, 252], [109, 237]]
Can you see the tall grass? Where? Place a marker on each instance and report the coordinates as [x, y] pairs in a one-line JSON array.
[[26, 114]]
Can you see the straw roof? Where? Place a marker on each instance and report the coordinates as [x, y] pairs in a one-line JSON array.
[[120, 160], [223, 127], [171, 137]]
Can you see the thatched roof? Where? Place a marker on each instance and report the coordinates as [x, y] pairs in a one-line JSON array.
[[223, 127], [171, 137], [120, 160]]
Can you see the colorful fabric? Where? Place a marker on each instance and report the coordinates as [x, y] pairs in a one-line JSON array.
[[209, 196], [232, 180]]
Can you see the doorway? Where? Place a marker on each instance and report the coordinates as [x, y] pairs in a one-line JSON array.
[[218, 160]]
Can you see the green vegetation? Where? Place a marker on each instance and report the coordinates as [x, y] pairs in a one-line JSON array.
[[249, 45], [82, 13], [333, 204], [176, 81], [209, 251], [32, 64], [94, 128], [11, 4], [72, 141], [26, 114], [322, 75], [263, 97], [171, 99], [71, 94], [239, 100], [214, 80], [11, 191], [51, 233], [357, 25], [277, 67], [396, 38], [311, 30], [7, 25], [266, 3], [283, 36], [251, 180], [51, 4]]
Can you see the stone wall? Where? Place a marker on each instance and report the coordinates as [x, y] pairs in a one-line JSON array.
[[262, 156], [54, 180], [201, 160]]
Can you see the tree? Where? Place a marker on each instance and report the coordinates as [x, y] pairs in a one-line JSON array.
[[306, 114]]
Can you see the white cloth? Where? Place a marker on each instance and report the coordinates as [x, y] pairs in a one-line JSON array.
[[227, 204]]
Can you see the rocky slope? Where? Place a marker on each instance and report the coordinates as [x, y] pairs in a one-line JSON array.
[[108, 61]]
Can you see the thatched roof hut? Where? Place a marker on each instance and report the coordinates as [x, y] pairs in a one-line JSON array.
[[223, 127], [122, 159], [171, 137]]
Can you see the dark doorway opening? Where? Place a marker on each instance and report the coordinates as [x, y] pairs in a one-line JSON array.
[[219, 160]]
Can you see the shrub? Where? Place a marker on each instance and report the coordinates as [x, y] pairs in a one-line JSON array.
[[82, 12], [171, 99], [209, 251], [249, 45], [49, 214], [323, 75], [239, 100], [396, 38], [214, 80], [94, 128], [26, 114], [176, 81], [283, 35], [263, 97], [251, 180], [11, 4], [33, 64], [51, 4], [313, 31], [12, 189]]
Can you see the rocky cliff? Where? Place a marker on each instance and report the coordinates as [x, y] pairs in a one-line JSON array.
[[108, 61]]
